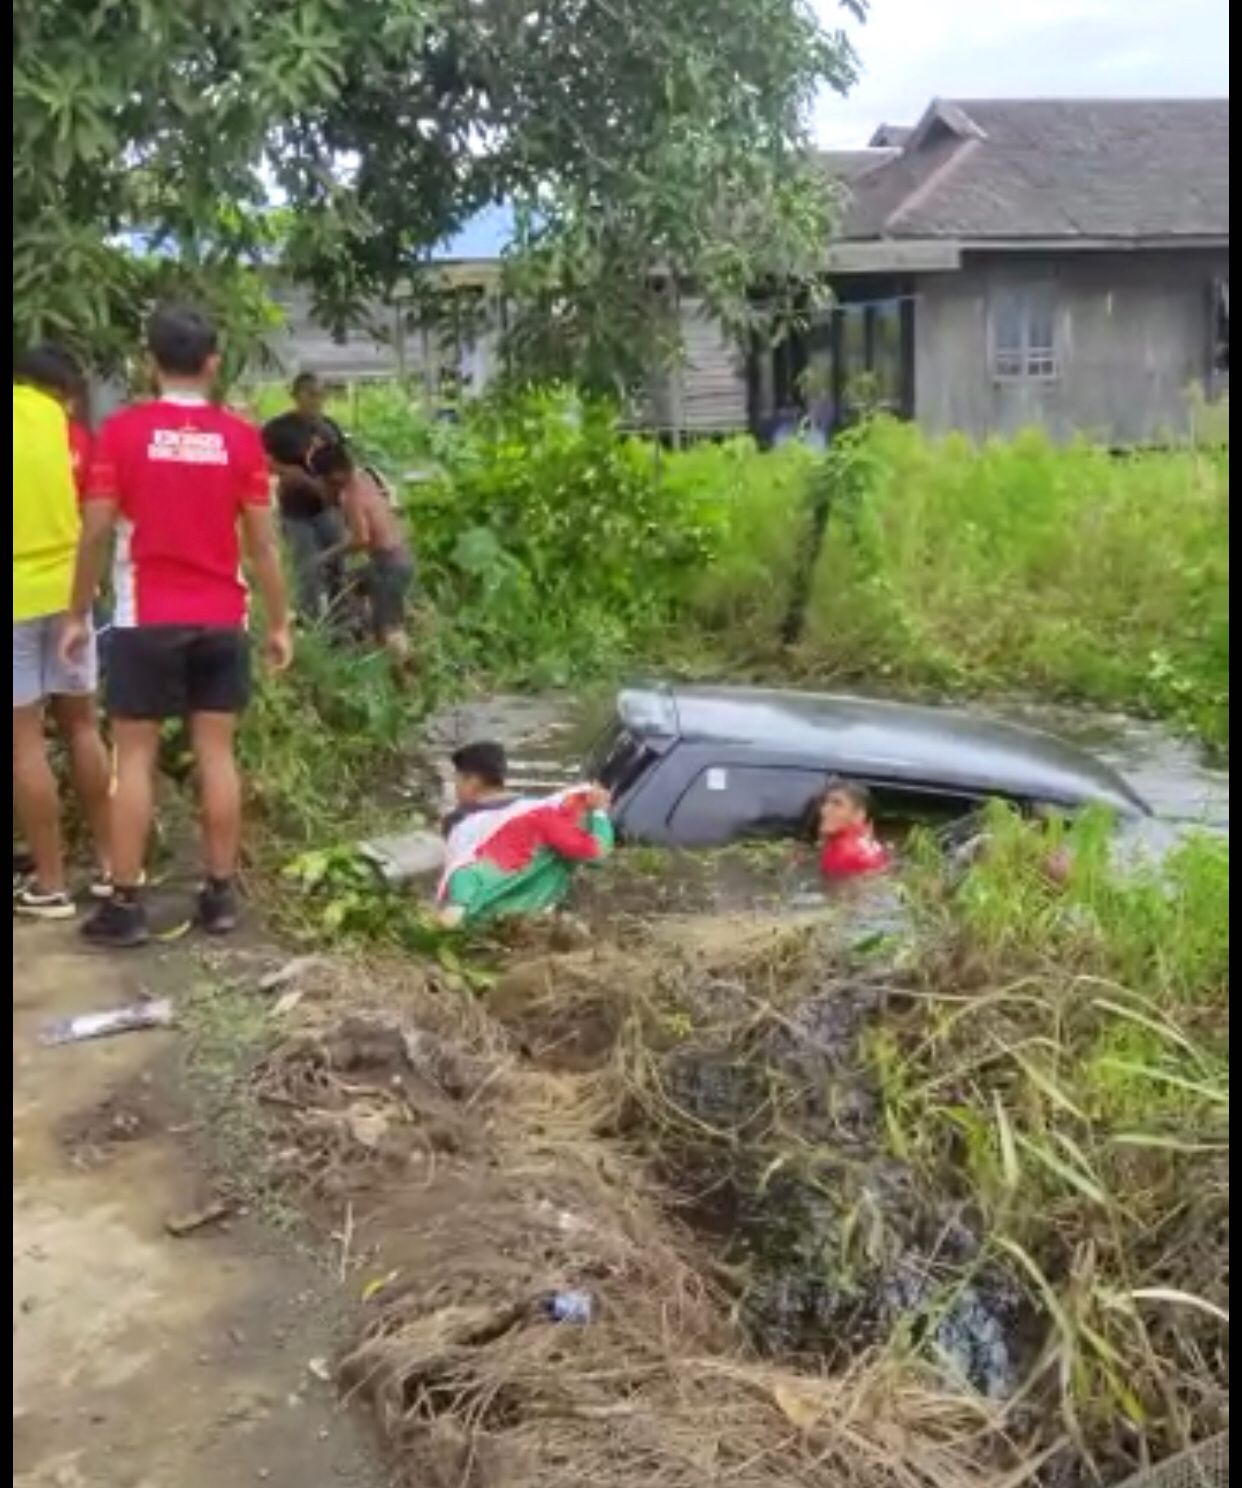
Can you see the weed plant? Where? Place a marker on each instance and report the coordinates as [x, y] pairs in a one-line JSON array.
[[1064, 1070]]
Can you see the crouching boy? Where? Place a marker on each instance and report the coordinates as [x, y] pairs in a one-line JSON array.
[[509, 855]]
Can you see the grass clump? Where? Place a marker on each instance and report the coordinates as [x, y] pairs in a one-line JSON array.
[[1019, 564], [1064, 1072]]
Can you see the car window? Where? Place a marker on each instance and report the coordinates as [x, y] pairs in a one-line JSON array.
[[919, 805], [726, 802], [619, 760]]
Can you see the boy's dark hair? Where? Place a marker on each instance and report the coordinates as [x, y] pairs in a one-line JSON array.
[[50, 368], [853, 791], [182, 340], [303, 381], [486, 762], [329, 459]]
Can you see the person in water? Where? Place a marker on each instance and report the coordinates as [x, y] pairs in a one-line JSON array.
[[849, 847], [508, 855]]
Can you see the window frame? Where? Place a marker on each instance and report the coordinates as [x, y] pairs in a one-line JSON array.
[[1218, 349], [1031, 362]]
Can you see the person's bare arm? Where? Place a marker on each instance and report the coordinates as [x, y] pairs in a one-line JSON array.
[[94, 544], [297, 477], [263, 553], [352, 509]]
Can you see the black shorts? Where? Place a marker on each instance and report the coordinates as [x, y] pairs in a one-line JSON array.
[[170, 671]]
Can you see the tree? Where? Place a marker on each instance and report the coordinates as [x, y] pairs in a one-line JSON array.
[[639, 140]]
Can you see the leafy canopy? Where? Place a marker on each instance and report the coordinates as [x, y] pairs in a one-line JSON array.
[[635, 137]]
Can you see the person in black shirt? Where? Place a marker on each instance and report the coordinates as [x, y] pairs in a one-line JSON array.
[[312, 523]]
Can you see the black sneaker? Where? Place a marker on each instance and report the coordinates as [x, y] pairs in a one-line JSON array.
[[119, 923], [218, 911]]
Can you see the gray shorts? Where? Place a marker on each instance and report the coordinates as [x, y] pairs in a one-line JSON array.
[[38, 671], [389, 576]]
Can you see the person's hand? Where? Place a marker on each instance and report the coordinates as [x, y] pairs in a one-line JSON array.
[[599, 797], [75, 637], [278, 648]]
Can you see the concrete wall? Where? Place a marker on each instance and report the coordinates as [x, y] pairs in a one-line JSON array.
[[1133, 334]]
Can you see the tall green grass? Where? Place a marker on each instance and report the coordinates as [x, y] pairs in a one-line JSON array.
[[1065, 1072], [1023, 565], [555, 547]]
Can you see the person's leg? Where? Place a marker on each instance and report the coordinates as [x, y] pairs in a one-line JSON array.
[[391, 575], [90, 768], [308, 577], [219, 689], [219, 786], [146, 684], [71, 687], [329, 528], [36, 800], [133, 802]]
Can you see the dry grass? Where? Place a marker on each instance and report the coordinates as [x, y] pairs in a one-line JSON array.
[[574, 1129], [477, 1180]]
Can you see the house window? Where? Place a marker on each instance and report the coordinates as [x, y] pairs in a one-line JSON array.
[[1220, 326], [1024, 340]]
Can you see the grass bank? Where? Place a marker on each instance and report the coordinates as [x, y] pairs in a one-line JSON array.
[[948, 1208], [554, 549]]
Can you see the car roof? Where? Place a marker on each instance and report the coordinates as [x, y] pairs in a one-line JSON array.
[[880, 740]]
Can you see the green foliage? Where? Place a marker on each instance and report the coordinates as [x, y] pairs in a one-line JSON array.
[[633, 138], [322, 743], [550, 539], [1067, 1073], [555, 548], [758, 508], [1020, 564]]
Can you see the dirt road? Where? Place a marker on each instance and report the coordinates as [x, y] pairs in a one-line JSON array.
[[140, 1360]]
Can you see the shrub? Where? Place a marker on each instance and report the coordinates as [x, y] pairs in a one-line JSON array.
[[1021, 564]]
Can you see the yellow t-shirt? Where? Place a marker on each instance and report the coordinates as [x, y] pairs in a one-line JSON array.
[[45, 506]]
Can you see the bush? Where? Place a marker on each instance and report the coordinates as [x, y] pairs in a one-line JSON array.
[[757, 509], [1021, 564], [554, 548], [1065, 1073], [552, 541]]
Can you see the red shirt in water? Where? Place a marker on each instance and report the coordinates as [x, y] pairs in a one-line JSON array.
[[181, 471], [853, 852]]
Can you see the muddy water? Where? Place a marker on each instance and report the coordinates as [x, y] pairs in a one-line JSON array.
[[549, 736]]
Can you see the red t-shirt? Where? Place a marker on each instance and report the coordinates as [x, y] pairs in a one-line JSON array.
[[79, 455], [181, 472], [853, 852]]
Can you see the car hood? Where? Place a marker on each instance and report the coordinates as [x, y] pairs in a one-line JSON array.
[[879, 740]]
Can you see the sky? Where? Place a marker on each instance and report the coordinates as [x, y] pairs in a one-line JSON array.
[[914, 50]]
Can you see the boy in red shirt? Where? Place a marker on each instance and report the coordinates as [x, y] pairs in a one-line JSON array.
[[849, 847], [172, 481]]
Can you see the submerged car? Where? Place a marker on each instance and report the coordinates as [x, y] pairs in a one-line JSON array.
[[704, 766]]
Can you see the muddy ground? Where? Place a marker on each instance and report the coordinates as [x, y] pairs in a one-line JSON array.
[[141, 1360]]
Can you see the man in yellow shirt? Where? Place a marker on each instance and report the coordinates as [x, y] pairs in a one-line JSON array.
[[45, 537]]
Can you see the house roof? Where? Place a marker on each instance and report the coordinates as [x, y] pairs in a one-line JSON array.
[[1046, 169], [890, 136]]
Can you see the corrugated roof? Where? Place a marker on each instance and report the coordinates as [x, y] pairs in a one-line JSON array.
[[1052, 169]]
